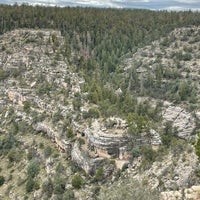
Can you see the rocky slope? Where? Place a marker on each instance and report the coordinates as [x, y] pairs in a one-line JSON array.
[[43, 128]]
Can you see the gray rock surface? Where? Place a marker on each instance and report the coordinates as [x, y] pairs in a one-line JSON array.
[[173, 171], [192, 193], [62, 144], [155, 138], [181, 119], [84, 161], [106, 141]]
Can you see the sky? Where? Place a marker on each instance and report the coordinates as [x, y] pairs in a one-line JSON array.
[[174, 5]]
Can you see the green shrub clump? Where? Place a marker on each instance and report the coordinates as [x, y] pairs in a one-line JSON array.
[[2, 180], [197, 146], [77, 181]]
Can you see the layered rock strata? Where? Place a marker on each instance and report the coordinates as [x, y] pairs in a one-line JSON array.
[[107, 142]]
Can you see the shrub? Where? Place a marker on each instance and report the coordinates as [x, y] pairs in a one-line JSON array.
[[2, 180], [59, 185], [8, 143], [60, 168], [14, 127], [14, 155], [31, 154], [77, 104], [187, 57], [44, 88], [3, 48], [47, 187], [197, 146], [81, 141], [3, 74], [148, 153], [27, 106], [135, 152], [74, 167], [47, 151], [30, 185], [33, 168], [92, 113], [99, 174], [68, 195], [57, 116], [110, 123], [77, 181], [95, 191], [70, 133], [168, 134]]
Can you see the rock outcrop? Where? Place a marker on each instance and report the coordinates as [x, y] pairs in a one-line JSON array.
[[103, 140], [44, 128], [155, 138], [181, 119], [173, 171], [192, 193], [84, 161], [62, 144], [109, 140]]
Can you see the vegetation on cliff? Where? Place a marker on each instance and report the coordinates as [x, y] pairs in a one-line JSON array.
[[91, 96]]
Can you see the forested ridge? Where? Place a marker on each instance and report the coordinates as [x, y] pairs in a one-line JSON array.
[[99, 36], [96, 41]]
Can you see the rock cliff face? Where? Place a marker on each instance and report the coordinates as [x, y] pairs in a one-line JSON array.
[[105, 141], [62, 144], [84, 161], [113, 141], [181, 119], [80, 156]]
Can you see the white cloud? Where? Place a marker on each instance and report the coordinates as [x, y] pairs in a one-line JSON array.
[[111, 3], [41, 2], [47, 1], [132, 1], [179, 8], [106, 3], [175, 5], [174, 8], [187, 1], [103, 3]]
